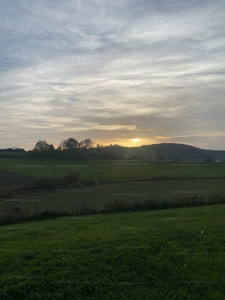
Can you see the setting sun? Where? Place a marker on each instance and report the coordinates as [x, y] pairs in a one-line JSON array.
[[135, 140]]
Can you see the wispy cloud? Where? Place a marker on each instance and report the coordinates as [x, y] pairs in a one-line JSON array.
[[112, 71]]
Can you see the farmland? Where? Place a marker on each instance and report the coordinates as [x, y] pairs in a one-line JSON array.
[[163, 254], [155, 254], [113, 182], [112, 170], [98, 198]]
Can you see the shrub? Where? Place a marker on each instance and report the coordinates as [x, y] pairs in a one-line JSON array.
[[73, 177], [48, 183]]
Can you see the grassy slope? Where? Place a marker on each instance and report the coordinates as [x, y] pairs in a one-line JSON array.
[[146, 255], [107, 170]]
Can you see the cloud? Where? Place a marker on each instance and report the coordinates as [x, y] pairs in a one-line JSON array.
[[110, 68]]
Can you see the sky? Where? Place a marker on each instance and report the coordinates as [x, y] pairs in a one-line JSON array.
[[121, 72]]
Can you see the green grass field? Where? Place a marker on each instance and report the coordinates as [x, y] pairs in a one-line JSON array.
[[111, 170], [164, 254], [96, 198], [99, 198], [161, 254]]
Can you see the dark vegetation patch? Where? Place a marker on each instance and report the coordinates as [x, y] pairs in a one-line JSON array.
[[17, 214], [12, 184], [73, 177], [12, 179]]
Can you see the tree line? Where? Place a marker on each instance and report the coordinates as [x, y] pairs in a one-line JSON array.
[[71, 148], [69, 144]]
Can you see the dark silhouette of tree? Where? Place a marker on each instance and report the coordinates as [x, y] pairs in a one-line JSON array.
[[100, 145], [13, 150], [69, 144], [51, 148], [42, 146], [87, 144]]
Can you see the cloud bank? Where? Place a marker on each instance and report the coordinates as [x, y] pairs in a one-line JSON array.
[[113, 71]]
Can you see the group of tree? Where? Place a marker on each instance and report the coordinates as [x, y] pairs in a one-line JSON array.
[[43, 146], [69, 144], [12, 150], [69, 148]]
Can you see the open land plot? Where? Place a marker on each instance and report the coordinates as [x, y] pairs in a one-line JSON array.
[[98, 198], [8, 178], [112, 170], [164, 254]]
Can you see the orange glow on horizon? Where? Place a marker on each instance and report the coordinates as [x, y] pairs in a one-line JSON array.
[[136, 142]]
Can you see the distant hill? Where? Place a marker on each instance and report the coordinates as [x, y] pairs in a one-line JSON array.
[[181, 151], [166, 150], [174, 151]]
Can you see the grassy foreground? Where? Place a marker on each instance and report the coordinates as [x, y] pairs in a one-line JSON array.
[[111, 170], [164, 254]]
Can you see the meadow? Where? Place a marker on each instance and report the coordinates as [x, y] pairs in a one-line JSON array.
[[163, 254], [147, 254], [115, 186], [110, 197], [112, 170]]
